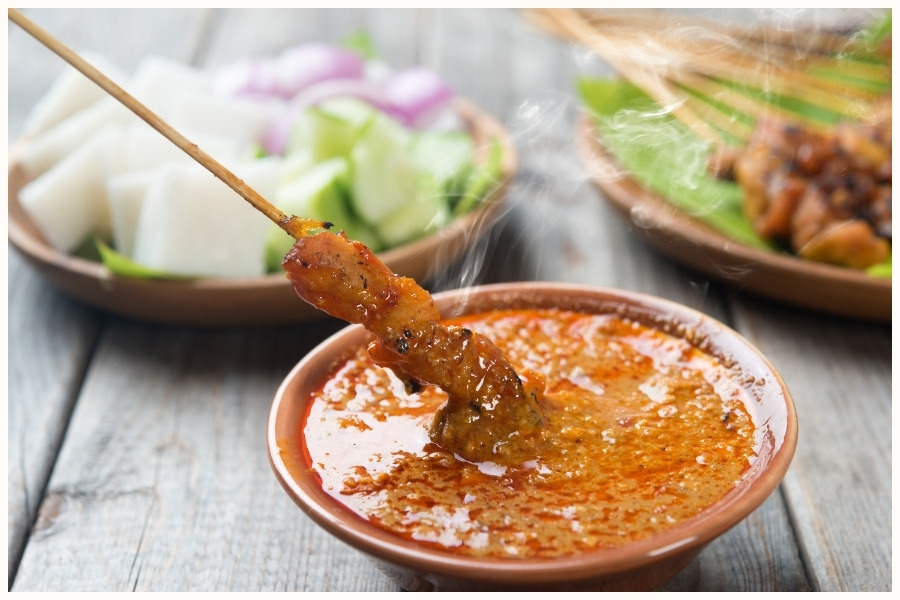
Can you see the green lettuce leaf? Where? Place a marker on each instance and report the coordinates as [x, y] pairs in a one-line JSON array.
[[361, 43], [483, 180], [877, 31], [881, 270], [119, 264], [665, 157]]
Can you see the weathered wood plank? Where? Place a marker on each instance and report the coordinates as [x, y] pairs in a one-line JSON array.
[[51, 337], [51, 340], [759, 554], [839, 485], [163, 482]]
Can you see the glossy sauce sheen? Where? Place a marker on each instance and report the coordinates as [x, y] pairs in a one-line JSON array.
[[643, 431]]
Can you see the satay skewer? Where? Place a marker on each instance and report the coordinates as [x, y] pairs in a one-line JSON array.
[[648, 48], [492, 414], [812, 42], [296, 227], [568, 22]]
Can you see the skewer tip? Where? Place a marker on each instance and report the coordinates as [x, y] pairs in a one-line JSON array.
[[298, 227]]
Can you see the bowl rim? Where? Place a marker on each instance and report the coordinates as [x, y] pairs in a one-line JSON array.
[[694, 533]]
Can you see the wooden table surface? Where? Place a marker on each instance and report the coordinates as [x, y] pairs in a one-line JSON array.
[[136, 452]]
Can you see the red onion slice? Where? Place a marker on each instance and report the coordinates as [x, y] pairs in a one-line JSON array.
[[250, 78], [308, 64], [419, 94], [311, 73]]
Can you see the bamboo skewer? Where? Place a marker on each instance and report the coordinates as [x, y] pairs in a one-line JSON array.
[[653, 86], [692, 82], [673, 58], [811, 43], [771, 76], [725, 65], [787, 50], [708, 41], [721, 55], [296, 227], [724, 121]]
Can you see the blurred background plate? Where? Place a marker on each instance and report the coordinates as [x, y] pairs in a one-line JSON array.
[[803, 283], [247, 301]]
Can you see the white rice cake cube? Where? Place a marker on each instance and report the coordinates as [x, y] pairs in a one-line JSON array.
[[61, 140], [69, 93], [143, 148], [68, 202], [159, 82], [125, 193], [205, 114], [142, 155], [193, 224]]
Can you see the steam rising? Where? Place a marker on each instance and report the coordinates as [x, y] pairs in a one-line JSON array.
[[551, 173]]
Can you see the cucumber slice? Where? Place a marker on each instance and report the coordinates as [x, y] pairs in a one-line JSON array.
[[330, 129], [363, 233], [122, 265], [446, 161], [353, 111], [483, 180], [296, 163], [444, 154], [424, 215], [384, 173], [319, 192]]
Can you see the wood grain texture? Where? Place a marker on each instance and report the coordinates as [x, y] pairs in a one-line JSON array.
[[758, 554], [163, 482], [150, 440], [839, 485], [50, 334], [50, 345]]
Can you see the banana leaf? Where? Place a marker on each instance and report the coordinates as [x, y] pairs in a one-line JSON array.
[[669, 159], [665, 156]]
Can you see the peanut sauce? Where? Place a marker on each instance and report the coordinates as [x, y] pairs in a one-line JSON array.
[[642, 431]]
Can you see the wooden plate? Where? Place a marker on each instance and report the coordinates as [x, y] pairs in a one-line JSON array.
[[803, 283], [248, 301]]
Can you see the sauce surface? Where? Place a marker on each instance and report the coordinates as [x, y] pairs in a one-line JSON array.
[[642, 431]]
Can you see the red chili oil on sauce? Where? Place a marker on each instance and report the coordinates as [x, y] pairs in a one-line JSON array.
[[643, 431]]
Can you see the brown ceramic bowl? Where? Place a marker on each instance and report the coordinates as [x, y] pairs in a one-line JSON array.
[[643, 565], [265, 300]]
